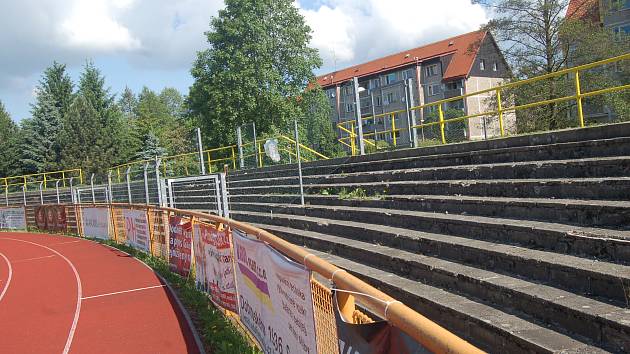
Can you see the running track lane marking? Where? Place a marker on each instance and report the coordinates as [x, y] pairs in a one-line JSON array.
[[124, 291], [73, 328], [6, 286], [33, 259]]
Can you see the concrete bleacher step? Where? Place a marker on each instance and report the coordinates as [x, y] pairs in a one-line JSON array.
[[607, 281], [616, 166], [594, 213], [591, 242], [415, 158], [485, 325], [604, 324], [617, 188]]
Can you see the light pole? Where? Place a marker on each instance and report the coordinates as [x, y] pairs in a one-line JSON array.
[[357, 103]]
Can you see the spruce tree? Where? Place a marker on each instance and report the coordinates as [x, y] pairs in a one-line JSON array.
[[9, 135], [58, 84], [151, 148], [39, 146]]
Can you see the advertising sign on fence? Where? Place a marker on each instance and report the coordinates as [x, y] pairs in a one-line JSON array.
[[214, 266], [137, 229], [378, 337], [95, 222], [180, 243], [51, 217], [12, 218], [275, 299]]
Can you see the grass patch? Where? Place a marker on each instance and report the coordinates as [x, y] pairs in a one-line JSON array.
[[357, 193], [217, 333]]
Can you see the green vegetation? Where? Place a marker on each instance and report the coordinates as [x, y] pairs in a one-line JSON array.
[[256, 70], [218, 334], [357, 193]]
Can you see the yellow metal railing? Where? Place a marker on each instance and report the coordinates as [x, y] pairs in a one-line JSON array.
[[214, 159], [46, 179], [348, 129]]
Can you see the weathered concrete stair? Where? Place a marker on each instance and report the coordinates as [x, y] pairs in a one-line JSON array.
[[519, 244]]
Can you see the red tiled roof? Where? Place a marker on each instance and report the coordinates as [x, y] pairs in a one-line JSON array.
[[463, 47], [585, 10]]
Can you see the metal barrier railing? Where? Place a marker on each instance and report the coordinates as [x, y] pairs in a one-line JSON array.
[[502, 106], [351, 289], [46, 179], [215, 159]]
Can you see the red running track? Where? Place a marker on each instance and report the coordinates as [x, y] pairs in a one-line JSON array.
[[62, 294]]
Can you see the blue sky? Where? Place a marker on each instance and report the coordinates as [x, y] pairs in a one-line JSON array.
[[152, 43]]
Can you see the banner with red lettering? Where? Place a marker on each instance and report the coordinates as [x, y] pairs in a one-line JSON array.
[[275, 298], [51, 218], [137, 229], [214, 267], [180, 243]]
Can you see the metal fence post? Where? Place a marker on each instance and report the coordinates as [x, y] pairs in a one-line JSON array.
[[500, 110], [6, 194], [299, 161], [109, 187], [158, 161], [71, 191], [41, 193], [239, 142], [92, 188], [441, 115], [128, 183], [413, 133], [146, 183], [24, 193], [255, 145], [357, 102], [57, 189], [202, 164]]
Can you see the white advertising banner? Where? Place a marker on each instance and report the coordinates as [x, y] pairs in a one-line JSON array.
[[275, 299], [95, 222], [12, 218], [214, 266], [137, 229]]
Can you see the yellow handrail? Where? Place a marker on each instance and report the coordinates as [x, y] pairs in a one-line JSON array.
[[501, 109]]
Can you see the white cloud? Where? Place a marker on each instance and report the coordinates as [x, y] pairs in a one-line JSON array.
[[352, 31], [91, 25]]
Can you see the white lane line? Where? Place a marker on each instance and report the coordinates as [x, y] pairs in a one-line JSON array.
[[33, 259], [124, 291], [63, 243], [6, 286], [77, 311]]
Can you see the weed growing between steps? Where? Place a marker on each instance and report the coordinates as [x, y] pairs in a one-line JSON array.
[[357, 193], [217, 333]]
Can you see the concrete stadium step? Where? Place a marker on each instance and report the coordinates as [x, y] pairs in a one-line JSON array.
[[602, 280], [591, 213], [582, 168], [597, 243], [394, 160], [617, 188], [491, 329], [566, 312]]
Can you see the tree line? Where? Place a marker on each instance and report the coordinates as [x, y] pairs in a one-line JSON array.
[[84, 125], [259, 68]]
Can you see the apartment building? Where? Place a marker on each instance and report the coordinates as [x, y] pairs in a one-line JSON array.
[[610, 14], [445, 69]]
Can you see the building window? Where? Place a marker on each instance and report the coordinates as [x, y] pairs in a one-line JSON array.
[[433, 90], [453, 85], [391, 78], [389, 98], [349, 107], [331, 93], [377, 101], [482, 64], [618, 5], [621, 31], [374, 84], [431, 70], [495, 66], [408, 74]]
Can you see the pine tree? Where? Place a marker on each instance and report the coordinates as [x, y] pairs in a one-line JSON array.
[[9, 137], [58, 84], [128, 103], [151, 148], [39, 147]]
